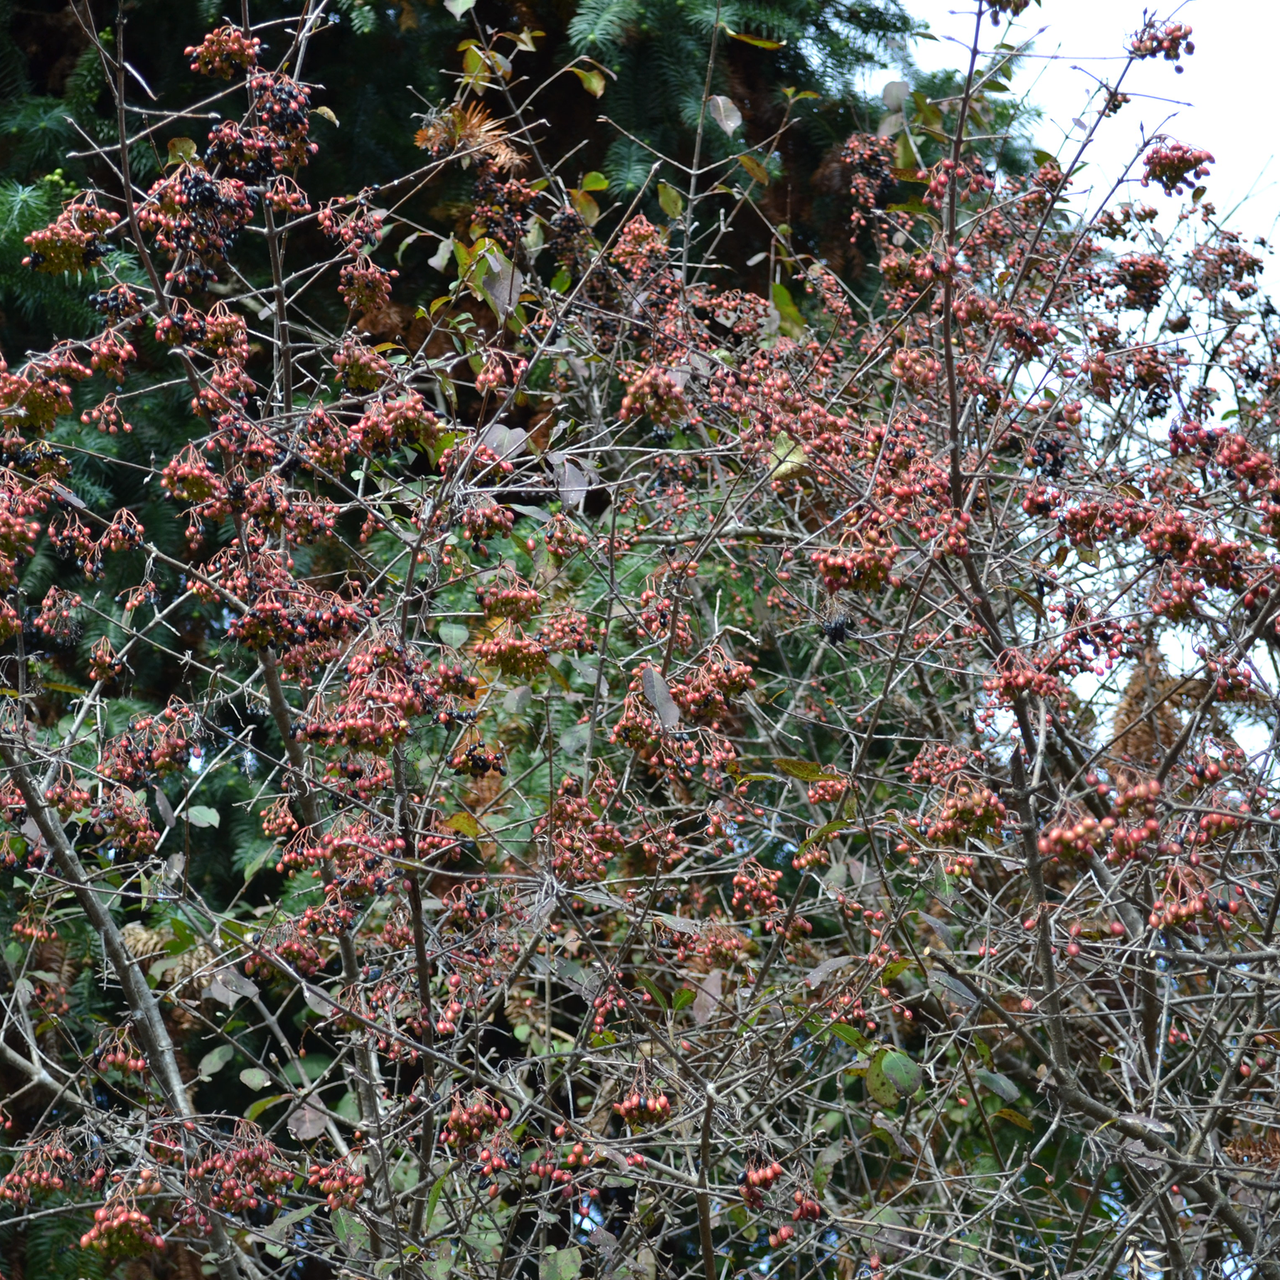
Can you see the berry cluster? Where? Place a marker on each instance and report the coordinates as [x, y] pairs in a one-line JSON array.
[[757, 1178], [509, 597], [121, 1230], [864, 566], [476, 760], [224, 52], [707, 693], [486, 521], [636, 1110], [195, 219], [340, 1185], [1174, 166], [56, 620], [284, 107], [387, 424], [806, 1208], [39, 1170], [1168, 40], [365, 287], [360, 367], [756, 888], [467, 1125], [352, 222], [249, 1174], [966, 810], [73, 242], [657, 393]]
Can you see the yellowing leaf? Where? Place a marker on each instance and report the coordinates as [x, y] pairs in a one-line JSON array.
[[671, 200], [586, 206], [1014, 1117], [325, 114], [805, 770], [182, 151], [791, 321], [787, 457], [760, 42], [463, 823], [595, 181], [592, 81], [755, 170]]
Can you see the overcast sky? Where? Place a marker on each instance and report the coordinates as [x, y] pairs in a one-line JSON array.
[[1225, 101]]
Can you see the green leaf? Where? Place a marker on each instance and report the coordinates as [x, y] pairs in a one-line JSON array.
[[215, 1060], [13, 952], [560, 1264], [255, 1109], [454, 634], [805, 770], [1014, 1117], [200, 815], [352, 1233], [595, 181], [561, 281], [459, 8], [903, 1073], [652, 988], [255, 1078], [286, 1220], [258, 861], [826, 832], [851, 1035], [682, 998], [879, 1086], [433, 1199], [670, 199], [1000, 1085]]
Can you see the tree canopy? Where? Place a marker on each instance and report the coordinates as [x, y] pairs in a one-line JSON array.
[[633, 666]]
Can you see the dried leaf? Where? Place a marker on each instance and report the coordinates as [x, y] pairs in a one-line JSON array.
[[306, 1122], [707, 1001], [659, 696], [724, 112]]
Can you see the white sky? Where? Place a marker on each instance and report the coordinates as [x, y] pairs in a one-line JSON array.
[[1224, 101]]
